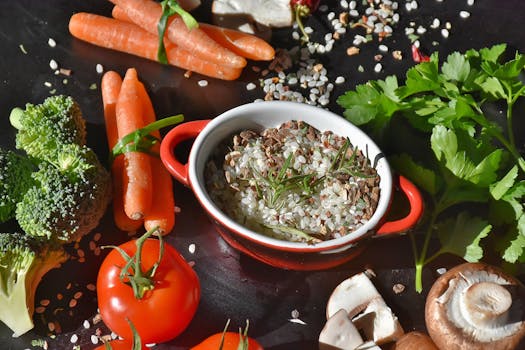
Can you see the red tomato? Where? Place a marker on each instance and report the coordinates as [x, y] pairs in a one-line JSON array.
[[231, 342], [120, 345], [163, 312]]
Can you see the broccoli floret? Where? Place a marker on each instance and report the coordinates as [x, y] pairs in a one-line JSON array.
[[15, 179], [44, 127], [70, 196], [23, 263]]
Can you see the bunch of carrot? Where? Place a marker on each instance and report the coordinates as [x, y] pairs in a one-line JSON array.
[[142, 187], [209, 50]]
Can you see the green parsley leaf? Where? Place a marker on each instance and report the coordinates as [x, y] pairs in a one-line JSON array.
[[462, 235]]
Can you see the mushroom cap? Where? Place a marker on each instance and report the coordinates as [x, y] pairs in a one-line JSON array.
[[414, 341], [451, 322]]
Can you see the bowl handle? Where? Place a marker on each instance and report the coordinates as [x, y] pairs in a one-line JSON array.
[[174, 137], [415, 201]]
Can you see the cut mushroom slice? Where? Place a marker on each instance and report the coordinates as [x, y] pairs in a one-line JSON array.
[[366, 308], [339, 333], [270, 13], [476, 306], [378, 323], [353, 294]]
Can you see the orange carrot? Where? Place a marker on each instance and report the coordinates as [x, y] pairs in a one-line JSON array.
[[243, 44], [161, 213], [146, 14], [126, 37], [110, 87], [137, 174]]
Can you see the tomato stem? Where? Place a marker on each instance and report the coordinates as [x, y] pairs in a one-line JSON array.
[[132, 273]]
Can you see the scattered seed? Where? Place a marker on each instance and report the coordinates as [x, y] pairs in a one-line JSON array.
[[60, 296], [91, 287], [464, 14], [65, 71], [45, 302], [23, 49], [40, 309], [51, 326], [53, 64], [78, 295], [73, 303], [339, 80], [398, 288]]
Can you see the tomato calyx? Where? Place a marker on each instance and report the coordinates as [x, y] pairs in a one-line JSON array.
[[132, 274], [243, 337]]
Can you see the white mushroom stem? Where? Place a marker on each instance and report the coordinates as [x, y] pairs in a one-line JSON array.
[[487, 303]]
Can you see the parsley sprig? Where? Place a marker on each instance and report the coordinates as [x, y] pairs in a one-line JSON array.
[[470, 155]]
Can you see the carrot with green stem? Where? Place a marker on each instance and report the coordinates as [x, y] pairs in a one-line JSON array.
[[161, 213], [147, 14], [243, 44], [110, 87], [129, 38], [137, 174]]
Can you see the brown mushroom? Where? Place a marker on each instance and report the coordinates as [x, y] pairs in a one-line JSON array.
[[476, 306], [414, 341]]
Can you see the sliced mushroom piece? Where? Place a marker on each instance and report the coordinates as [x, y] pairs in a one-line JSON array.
[[414, 340], [270, 13], [368, 345], [476, 306], [353, 294], [378, 323], [339, 333], [366, 308]]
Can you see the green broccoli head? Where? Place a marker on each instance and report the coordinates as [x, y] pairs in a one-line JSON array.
[[44, 127], [15, 179], [23, 263], [69, 198]]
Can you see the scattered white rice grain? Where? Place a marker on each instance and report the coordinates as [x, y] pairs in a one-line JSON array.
[[296, 35], [23, 49], [53, 64], [308, 30], [74, 338], [99, 68], [448, 25], [421, 30], [94, 339], [339, 80], [51, 42], [191, 248], [414, 5], [378, 67], [250, 86], [344, 4], [86, 324], [464, 14], [470, 2], [354, 13], [383, 48], [352, 5], [441, 270], [202, 83], [444, 33], [435, 23], [47, 84]]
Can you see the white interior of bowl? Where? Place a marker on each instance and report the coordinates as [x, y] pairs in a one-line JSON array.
[[261, 115]]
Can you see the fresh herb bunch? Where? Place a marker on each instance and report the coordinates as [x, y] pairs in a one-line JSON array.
[[469, 154]]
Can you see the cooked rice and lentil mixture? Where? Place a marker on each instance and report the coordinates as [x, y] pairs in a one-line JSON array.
[[294, 183]]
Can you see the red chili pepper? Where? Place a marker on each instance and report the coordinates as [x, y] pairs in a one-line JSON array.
[[418, 56], [303, 8]]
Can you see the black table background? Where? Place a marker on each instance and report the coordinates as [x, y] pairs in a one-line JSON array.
[[233, 286]]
